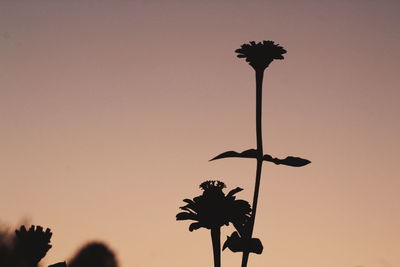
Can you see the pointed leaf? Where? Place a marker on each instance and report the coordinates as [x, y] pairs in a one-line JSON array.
[[250, 153], [227, 154]]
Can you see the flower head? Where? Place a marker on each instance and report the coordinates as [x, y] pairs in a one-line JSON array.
[[261, 54], [213, 208], [32, 245]]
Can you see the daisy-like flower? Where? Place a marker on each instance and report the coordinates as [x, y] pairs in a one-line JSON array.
[[214, 209], [260, 55]]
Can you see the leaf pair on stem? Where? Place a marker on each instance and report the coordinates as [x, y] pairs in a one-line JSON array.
[[252, 153]]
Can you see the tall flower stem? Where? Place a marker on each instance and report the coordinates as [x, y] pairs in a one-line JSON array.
[[259, 82], [216, 243]]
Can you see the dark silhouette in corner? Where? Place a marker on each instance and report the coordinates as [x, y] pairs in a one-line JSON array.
[[26, 248], [32, 245]]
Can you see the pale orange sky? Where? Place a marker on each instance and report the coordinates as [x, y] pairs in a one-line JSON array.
[[110, 111]]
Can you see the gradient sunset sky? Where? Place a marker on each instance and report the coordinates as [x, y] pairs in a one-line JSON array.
[[110, 111]]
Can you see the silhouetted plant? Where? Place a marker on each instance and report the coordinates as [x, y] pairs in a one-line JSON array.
[[214, 209], [25, 248], [32, 245], [259, 56]]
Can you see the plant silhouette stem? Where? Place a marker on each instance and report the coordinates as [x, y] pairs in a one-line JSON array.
[[260, 153], [259, 82], [216, 243]]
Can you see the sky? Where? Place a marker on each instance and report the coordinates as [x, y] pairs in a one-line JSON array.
[[110, 111]]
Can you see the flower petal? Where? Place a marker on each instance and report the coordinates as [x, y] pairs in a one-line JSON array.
[[188, 210], [234, 191], [189, 201], [195, 226], [186, 216]]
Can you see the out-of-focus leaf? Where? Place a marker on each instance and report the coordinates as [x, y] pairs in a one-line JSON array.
[[250, 153], [288, 161]]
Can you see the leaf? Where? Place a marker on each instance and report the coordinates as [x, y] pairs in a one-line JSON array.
[[250, 153], [267, 157], [233, 242], [238, 244], [288, 161], [227, 154], [256, 246], [295, 161]]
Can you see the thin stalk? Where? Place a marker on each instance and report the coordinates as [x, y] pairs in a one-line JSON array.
[[259, 81], [216, 243]]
